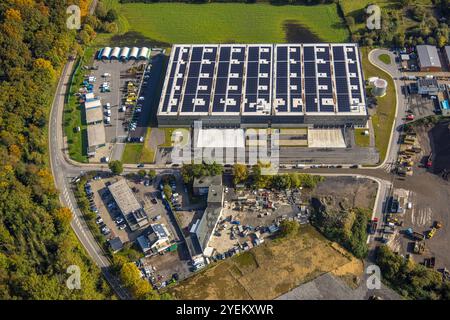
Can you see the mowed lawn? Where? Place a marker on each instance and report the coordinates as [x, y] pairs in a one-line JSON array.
[[383, 119], [226, 22], [269, 270]]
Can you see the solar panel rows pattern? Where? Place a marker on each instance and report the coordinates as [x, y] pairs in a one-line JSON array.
[[285, 79]]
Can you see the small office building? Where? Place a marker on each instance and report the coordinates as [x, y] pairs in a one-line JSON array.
[[93, 111], [129, 206], [96, 138], [201, 185], [155, 240]]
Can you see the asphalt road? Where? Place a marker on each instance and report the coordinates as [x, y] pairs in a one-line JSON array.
[[63, 172], [64, 169]]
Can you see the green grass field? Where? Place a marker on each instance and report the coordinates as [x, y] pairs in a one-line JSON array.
[[132, 153], [73, 114], [360, 139], [226, 22], [383, 119], [139, 152], [385, 58]]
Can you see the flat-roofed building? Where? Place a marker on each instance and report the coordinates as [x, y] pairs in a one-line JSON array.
[[93, 111], [201, 185], [204, 228], [260, 85], [96, 138], [428, 86], [428, 58], [129, 206], [219, 145]]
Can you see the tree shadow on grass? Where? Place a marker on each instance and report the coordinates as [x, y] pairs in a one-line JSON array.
[[298, 33], [134, 38]]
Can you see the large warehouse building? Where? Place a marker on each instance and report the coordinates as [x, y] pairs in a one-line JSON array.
[[236, 85]]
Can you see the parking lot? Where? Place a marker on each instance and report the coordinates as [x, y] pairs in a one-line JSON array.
[[428, 193], [111, 216], [128, 91], [116, 74]]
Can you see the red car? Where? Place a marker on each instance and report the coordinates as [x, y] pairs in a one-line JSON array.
[[410, 117]]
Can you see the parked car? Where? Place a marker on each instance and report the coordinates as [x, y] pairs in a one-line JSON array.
[[99, 220], [122, 226], [119, 220], [106, 231]]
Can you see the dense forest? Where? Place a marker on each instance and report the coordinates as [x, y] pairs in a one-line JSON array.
[[37, 244]]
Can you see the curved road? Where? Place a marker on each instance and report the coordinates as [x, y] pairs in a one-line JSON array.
[[64, 169]]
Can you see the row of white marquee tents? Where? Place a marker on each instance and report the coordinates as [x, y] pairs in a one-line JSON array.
[[124, 53]]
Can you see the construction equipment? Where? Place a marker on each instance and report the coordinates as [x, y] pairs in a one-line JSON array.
[[429, 163], [437, 224], [429, 262], [419, 247], [431, 233], [415, 235]]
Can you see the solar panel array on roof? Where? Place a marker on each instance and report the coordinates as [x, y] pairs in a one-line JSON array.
[[265, 79]]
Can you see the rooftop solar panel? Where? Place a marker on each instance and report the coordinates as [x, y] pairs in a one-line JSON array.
[[339, 69], [282, 54], [343, 103], [219, 105], [323, 53], [308, 54], [252, 69], [310, 69], [253, 54], [285, 78], [338, 54], [311, 104], [324, 68], [222, 70], [225, 53], [197, 54], [294, 53]]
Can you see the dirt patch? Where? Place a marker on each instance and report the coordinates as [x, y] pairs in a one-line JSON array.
[[297, 33], [440, 136], [346, 192], [268, 270]]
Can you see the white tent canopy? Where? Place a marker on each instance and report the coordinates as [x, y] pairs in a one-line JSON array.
[[106, 53]]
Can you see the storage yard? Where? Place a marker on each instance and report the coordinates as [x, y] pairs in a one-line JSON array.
[[269, 270]]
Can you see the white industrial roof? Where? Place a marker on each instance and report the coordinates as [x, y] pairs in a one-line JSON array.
[[106, 52], [134, 52], [115, 53], [220, 138], [96, 135]]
